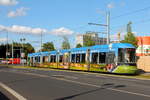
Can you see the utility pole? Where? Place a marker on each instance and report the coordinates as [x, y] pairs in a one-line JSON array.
[[107, 25], [12, 52], [23, 50], [7, 47]]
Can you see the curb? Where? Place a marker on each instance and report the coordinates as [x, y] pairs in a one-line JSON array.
[[78, 71]]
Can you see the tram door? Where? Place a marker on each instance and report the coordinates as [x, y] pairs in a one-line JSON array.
[[110, 56], [66, 59]]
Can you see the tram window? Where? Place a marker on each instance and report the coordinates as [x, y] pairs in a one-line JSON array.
[[73, 58], [78, 58], [38, 59], [60, 58], [121, 55], [94, 57], [102, 57], [54, 59], [131, 55], [51, 58], [43, 59], [83, 58]]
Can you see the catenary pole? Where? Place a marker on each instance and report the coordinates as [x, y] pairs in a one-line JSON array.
[[108, 27]]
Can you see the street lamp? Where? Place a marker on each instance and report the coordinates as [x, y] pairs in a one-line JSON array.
[[12, 52], [22, 53]]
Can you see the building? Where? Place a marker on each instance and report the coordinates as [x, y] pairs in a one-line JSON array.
[[143, 51], [143, 46], [80, 38]]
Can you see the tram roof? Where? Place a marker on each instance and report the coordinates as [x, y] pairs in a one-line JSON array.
[[122, 45], [96, 48]]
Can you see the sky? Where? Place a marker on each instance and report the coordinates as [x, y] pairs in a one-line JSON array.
[[58, 18]]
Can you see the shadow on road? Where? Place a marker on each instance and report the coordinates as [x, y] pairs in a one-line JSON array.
[[104, 86], [3, 97]]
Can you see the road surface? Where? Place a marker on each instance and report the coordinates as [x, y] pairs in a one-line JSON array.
[[33, 84]]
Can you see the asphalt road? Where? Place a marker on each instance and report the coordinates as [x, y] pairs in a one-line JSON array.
[[35, 84]]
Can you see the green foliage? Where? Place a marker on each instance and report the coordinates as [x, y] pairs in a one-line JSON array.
[[130, 37], [2, 51], [27, 48], [88, 41], [49, 46], [78, 45], [65, 43]]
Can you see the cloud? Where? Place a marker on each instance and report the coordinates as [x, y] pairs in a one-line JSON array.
[[3, 39], [111, 5], [35, 31], [25, 29], [3, 28], [22, 29], [19, 12], [61, 31], [8, 2]]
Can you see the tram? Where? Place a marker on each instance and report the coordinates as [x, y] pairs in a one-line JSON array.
[[113, 58]]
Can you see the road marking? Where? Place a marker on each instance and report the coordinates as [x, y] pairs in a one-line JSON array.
[[122, 91], [39, 75], [76, 82], [65, 76], [50, 69], [81, 83], [13, 92]]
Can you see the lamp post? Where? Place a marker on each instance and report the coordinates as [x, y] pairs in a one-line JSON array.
[[12, 52], [57, 57], [7, 53], [22, 53]]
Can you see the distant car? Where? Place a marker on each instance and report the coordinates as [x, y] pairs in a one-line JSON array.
[[14, 61]]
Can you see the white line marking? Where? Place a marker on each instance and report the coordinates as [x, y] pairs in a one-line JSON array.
[[13, 92], [65, 76], [76, 82], [33, 74], [122, 91]]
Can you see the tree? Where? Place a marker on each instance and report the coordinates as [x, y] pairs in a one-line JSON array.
[[49, 46], [65, 43], [27, 48], [130, 37], [78, 45], [88, 41], [2, 51]]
